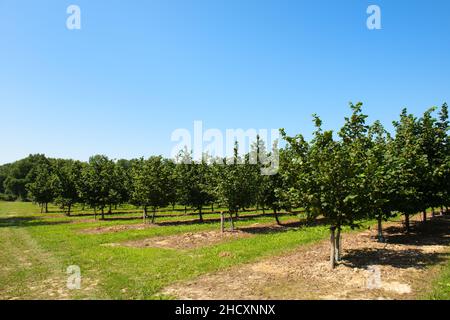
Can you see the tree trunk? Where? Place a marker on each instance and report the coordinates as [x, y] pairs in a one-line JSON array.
[[380, 229], [42, 207], [200, 214], [153, 215], [338, 244], [185, 210], [424, 216], [110, 209], [407, 223], [264, 210], [333, 247], [212, 208], [442, 210], [95, 213], [276, 217], [46, 207], [222, 222], [103, 213], [232, 222], [433, 212], [144, 214], [68, 209]]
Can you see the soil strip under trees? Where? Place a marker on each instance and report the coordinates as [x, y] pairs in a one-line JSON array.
[[401, 268]]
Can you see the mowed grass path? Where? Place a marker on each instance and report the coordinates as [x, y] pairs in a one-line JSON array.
[[36, 250]]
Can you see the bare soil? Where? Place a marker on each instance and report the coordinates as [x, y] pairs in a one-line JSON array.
[[193, 240], [400, 268], [187, 240], [117, 228]]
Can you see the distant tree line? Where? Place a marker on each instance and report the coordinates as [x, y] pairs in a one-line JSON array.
[[362, 173]]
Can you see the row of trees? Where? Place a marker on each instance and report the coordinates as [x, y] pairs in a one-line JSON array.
[[151, 183], [362, 173], [367, 173]]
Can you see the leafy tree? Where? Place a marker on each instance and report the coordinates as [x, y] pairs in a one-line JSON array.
[[68, 175], [194, 185], [429, 186], [123, 174], [170, 167], [265, 185], [331, 174], [380, 176], [151, 186], [411, 167], [442, 169], [182, 177], [97, 183], [20, 173], [232, 184], [42, 189], [436, 147], [4, 170], [294, 173]]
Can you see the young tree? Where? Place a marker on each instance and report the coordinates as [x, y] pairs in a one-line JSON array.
[[151, 184], [265, 185], [380, 176], [295, 173], [411, 167], [182, 177], [97, 183], [232, 184], [330, 174], [123, 178], [42, 189], [442, 169], [429, 184], [199, 191], [171, 182], [68, 175]]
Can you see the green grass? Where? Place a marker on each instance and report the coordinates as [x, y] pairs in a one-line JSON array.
[[441, 286], [37, 248]]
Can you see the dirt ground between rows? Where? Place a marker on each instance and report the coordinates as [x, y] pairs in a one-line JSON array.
[[117, 228], [184, 241], [193, 240], [401, 268]]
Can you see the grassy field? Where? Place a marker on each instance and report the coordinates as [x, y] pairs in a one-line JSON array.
[[36, 250]]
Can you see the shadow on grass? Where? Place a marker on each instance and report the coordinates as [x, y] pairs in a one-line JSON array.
[[28, 222], [191, 221]]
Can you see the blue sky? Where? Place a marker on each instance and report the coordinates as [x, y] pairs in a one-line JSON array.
[[138, 70]]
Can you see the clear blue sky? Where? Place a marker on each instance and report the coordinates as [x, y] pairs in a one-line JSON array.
[[138, 70]]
